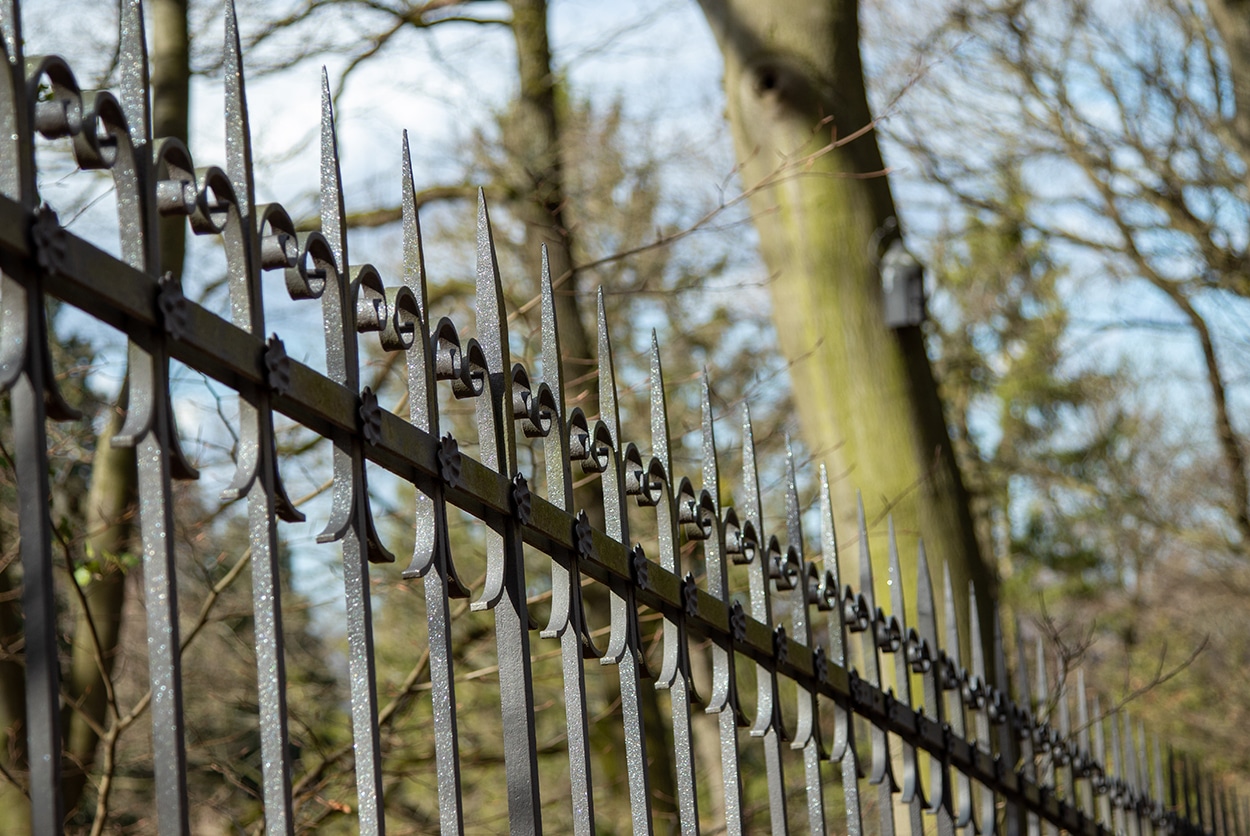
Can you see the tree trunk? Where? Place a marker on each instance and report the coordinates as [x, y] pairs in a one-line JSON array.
[[538, 151], [865, 392], [171, 104]]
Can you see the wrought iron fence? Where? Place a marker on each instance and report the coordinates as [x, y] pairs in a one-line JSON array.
[[969, 753]]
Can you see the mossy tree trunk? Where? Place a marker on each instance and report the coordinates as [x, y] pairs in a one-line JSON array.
[[865, 393]]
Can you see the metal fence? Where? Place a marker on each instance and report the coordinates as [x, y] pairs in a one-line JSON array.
[[968, 753]]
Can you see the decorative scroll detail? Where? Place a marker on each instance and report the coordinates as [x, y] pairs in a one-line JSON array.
[[522, 501], [370, 416], [449, 461], [738, 622], [49, 242], [277, 366]]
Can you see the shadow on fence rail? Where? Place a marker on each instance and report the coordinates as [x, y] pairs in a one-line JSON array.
[[991, 762]]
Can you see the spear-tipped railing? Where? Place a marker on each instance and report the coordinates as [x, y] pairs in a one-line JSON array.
[[946, 747]]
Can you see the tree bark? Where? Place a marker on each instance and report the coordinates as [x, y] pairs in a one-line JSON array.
[[537, 147], [171, 104], [865, 393]]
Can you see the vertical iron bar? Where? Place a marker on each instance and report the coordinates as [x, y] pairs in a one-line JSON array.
[[954, 678], [257, 460], [1105, 816], [431, 557], [912, 792], [1008, 733], [149, 427], [1065, 734], [22, 367], [1046, 771], [43, 690], [625, 645], [1120, 788], [939, 770], [505, 592], [1145, 804], [987, 824], [843, 750], [882, 773], [807, 733], [1025, 696], [767, 723], [1128, 773], [1084, 789], [675, 675], [566, 583], [1159, 806], [350, 519], [156, 525]]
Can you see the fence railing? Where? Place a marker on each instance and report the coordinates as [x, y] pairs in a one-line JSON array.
[[960, 752]]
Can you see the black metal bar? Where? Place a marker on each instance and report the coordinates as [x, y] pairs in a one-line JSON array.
[[23, 365]]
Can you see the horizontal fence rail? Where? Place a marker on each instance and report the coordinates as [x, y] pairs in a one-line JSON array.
[[948, 747]]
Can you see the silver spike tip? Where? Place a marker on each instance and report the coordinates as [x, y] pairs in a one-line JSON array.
[[948, 612], [896, 577], [553, 369], [926, 608], [924, 579], [333, 222], [414, 256], [548, 290], [657, 375], [483, 215], [232, 34], [659, 410], [865, 556], [133, 60], [711, 468], [608, 411]]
